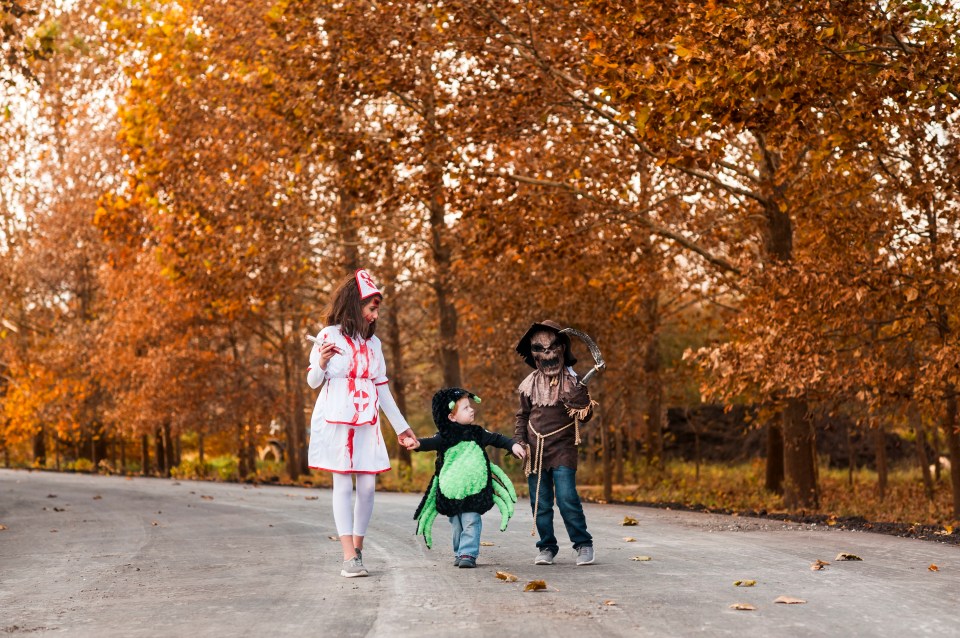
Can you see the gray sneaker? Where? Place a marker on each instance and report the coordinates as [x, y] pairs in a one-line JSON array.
[[585, 555], [545, 557], [353, 568]]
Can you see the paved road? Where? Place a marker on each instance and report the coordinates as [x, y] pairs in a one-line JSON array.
[[112, 556]]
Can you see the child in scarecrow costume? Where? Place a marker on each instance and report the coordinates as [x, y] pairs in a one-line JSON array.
[[553, 404], [465, 484]]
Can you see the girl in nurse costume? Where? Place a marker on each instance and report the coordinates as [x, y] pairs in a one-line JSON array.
[[345, 434]]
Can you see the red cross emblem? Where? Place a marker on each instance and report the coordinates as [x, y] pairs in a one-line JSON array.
[[361, 400]]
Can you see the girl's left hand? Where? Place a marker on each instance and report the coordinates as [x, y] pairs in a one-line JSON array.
[[519, 451]]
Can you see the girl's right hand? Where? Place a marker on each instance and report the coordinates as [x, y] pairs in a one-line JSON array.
[[327, 350]]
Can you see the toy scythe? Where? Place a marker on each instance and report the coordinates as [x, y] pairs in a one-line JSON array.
[[599, 365]]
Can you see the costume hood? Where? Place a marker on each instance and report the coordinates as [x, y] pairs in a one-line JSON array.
[[443, 402]]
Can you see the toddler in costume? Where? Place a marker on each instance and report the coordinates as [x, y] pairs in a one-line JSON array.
[[466, 484]]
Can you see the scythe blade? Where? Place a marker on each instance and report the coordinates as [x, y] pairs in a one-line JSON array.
[[599, 365]]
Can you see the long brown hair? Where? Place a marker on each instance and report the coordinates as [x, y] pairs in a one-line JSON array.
[[345, 309]]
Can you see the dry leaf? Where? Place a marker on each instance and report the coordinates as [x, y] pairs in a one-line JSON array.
[[486, 544], [2, 527], [629, 539], [507, 576], [610, 603], [933, 568], [844, 556], [311, 498], [818, 565], [744, 583], [535, 585], [206, 498], [334, 538], [742, 606], [97, 497], [154, 523], [644, 558], [629, 520], [790, 600]]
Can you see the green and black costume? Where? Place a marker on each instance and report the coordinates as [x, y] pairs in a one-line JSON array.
[[465, 480]]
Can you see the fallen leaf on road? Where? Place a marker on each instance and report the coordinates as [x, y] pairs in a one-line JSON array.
[[97, 497], [610, 603], [334, 538], [629, 520], [844, 556], [742, 607], [933, 568], [206, 498], [59, 509], [154, 523], [790, 600], [2, 527], [644, 558], [818, 565], [51, 496], [311, 498], [507, 576], [486, 544], [629, 539], [744, 583], [535, 585]]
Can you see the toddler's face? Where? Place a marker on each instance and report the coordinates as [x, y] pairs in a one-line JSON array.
[[463, 412]]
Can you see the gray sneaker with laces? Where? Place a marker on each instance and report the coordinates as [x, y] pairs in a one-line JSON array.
[[545, 557], [353, 568], [585, 555]]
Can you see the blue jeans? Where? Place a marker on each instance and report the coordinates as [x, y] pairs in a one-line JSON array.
[[466, 534], [562, 482]]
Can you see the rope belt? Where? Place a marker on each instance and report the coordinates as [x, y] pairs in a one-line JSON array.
[[535, 465]]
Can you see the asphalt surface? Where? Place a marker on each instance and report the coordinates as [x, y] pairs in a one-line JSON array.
[[111, 556]]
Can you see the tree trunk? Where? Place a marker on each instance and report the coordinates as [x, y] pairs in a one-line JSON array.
[[799, 459], [299, 415], [851, 457], [200, 448], [442, 255], [652, 369], [160, 453], [920, 436], [799, 466], [880, 452], [169, 457], [144, 455], [774, 473], [953, 445], [40, 448], [243, 467]]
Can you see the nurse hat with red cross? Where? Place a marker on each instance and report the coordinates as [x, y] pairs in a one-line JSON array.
[[365, 285]]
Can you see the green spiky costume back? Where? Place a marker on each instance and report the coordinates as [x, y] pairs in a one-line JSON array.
[[464, 479]]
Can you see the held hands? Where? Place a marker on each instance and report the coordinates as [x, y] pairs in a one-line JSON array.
[[519, 451], [408, 439]]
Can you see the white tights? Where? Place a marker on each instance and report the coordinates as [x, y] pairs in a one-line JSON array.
[[352, 520]]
